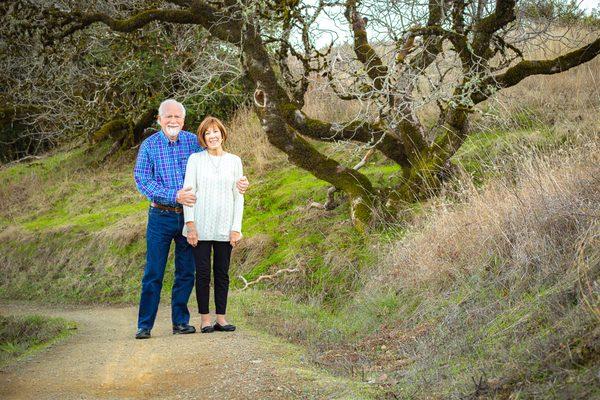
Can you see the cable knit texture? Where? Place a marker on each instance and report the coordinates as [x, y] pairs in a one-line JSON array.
[[219, 206]]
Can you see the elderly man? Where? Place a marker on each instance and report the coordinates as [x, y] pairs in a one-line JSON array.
[[159, 174]]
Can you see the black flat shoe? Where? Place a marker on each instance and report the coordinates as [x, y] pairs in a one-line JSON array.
[[183, 329], [207, 329], [224, 328], [142, 334]]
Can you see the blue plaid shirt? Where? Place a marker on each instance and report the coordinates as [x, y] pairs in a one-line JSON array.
[[160, 167]]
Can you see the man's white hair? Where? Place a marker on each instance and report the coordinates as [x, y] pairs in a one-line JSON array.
[[164, 104]]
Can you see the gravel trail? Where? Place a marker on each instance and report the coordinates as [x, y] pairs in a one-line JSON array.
[[102, 360]]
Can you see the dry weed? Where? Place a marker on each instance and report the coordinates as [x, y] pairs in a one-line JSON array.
[[248, 140], [528, 230], [125, 231], [251, 251]]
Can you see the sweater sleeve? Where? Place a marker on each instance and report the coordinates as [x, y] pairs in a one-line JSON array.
[[190, 181], [238, 199]]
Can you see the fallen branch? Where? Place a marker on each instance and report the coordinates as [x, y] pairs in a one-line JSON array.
[[20, 160], [264, 277]]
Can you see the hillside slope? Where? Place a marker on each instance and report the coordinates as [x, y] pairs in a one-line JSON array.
[[490, 289]]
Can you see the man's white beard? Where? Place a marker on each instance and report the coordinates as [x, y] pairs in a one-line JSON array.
[[172, 131]]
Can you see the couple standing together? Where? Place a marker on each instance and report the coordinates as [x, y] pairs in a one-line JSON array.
[[196, 194]]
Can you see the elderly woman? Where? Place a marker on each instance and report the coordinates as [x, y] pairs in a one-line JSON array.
[[213, 224]]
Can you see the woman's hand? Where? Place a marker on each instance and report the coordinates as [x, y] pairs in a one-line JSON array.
[[192, 234], [242, 185], [234, 238]]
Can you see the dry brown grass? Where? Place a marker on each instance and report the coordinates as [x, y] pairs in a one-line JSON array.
[[532, 227], [248, 140], [125, 231], [251, 251], [322, 104], [499, 288]]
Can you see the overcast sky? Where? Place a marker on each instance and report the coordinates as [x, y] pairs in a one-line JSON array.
[[589, 4], [338, 30]]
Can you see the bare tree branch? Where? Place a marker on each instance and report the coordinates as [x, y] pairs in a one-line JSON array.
[[267, 277], [526, 68]]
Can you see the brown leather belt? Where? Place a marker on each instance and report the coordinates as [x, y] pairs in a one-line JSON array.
[[166, 208]]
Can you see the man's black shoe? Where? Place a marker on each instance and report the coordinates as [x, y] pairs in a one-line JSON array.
[[183, 329], [142, 334], [224, 328]]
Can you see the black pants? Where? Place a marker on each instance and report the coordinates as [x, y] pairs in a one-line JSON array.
[[221, 256]]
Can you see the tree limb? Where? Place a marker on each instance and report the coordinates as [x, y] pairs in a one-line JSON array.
[[365, 53], [331, 204], [358, 131], [526, 68], [199, 13], [431, 40], [79, 21], [486, 27]]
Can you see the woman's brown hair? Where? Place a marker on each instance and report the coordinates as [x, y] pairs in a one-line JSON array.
[[207, 123]]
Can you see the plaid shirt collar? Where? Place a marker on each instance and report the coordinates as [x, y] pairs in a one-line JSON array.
[[165, 140]]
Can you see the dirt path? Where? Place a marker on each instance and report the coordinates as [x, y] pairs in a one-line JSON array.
[[103, 361]]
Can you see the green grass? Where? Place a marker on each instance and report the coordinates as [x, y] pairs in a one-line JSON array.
[[326, 247], [94, 219], [20, 336], [486, 154], [83, 263], [277, 206]]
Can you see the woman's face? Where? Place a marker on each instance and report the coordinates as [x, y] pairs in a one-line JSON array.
[[213, 137]]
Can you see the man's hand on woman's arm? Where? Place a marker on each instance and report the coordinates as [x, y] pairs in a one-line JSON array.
[[192, 233], [242, 185], [186, 197]]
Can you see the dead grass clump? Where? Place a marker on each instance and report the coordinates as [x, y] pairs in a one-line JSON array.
[[13, 233], [125, 231], [507, 282], [248, 140], [251, 251], [525, 230], [20, 193]]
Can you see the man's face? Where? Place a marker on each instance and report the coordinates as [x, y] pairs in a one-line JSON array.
[[171, 121]]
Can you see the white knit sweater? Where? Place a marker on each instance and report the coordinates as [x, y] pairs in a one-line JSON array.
[[219, 206]]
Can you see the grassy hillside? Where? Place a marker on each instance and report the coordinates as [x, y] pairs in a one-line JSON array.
[[77, 229], [489, 289], [24, 335]]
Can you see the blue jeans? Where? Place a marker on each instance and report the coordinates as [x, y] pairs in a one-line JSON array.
[[164, 227]]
